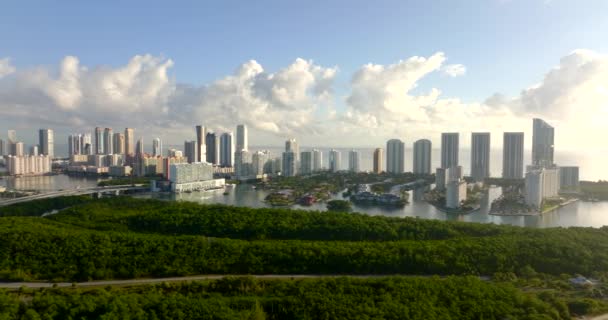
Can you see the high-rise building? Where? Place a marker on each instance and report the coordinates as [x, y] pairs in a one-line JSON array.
[[480, 156], [12, 136], [201, 149], [119, 143], [12, 140], [422, 157], [34, 150], [378, 160], [541, 184], [76, 144], [306, 163], [334, 160], [19, 149], [46, 142], [317, 160], [289, 164], [212, 142], [395, 156], [258, 162], [440, 178], [242, 163], [87, 144], [513, 155], [292, 145], [455, 194], [226, 150], [108, 140], [130, 141], [241, 137], [139, 148], [2, 148], [569, 178], [354, 160], [99, 143], [190, 151], [542, 144], [157, 147], [449, 149]]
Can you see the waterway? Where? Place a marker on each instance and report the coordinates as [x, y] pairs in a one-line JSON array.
[[584, 214]]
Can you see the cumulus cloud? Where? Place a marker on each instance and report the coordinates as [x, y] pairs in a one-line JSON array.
[[454, 70], [142, 94], [5, 67], [382, 101]]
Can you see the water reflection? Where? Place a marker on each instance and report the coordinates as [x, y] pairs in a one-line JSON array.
[[585, 214], [49, 183]]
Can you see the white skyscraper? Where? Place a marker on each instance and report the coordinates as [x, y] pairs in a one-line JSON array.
[[334, 160], [46, 142], [226, 150], [19, 149], [422, 157], [513, 155], [539, 185], [306, 162], [258, 161], [542, 144], [395, 156], [157, 147], [354, 160], [130, 141], [12, 136], [480, 156], [456, 192], [317, 160], [241, 137], [449, 149]]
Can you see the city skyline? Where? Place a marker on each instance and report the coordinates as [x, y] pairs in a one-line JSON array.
[[402, 89]]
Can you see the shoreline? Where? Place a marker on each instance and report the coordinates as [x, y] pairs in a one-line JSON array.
[[536, 213]]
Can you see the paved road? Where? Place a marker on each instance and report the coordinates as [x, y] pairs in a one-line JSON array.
[[71, 192], [17, 285]]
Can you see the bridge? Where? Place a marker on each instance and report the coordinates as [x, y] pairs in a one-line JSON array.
[[115, 190]]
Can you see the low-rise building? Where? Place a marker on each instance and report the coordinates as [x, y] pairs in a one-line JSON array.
[[28, 165], [196, 176]]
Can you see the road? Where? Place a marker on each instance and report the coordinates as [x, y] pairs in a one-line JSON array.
[[134, 282], [72, 192]]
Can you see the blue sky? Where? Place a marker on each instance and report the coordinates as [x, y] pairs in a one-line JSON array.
[[72, 65], [505, 45]]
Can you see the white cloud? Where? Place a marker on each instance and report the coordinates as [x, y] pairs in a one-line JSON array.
[[382, 101], [5, 67], [454, 70]]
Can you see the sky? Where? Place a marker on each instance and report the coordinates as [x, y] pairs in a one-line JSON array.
[[329, 73]]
